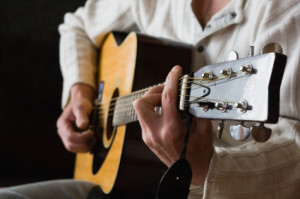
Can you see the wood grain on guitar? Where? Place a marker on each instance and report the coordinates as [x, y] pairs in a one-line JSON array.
[[244, 89]]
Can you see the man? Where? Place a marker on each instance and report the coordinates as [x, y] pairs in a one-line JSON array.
[[214, 28], [269, 170]]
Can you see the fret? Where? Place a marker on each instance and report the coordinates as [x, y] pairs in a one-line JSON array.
[[131, 107], [124, 112]]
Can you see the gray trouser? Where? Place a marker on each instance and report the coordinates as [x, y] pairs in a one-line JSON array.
[[60, 189]]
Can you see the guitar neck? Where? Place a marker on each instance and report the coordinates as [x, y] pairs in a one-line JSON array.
[[234, 104], [123, 111]]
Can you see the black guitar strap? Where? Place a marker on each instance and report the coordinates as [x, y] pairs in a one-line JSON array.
[[176, 181]]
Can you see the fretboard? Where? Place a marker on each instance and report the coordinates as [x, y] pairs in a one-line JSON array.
[[124, 112]]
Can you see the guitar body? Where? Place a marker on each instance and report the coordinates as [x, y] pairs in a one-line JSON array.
[[121, 163]]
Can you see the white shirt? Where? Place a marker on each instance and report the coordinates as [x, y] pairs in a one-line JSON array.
[[249, 170]]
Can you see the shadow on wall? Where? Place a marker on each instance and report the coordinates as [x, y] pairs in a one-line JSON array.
[[30, 91]]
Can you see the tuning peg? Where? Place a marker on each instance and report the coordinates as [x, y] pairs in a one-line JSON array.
[[239, 132], [261, 133], [246, 69], [251, 51], [231, 56], [220, 129], [227, 72], [272, 47], [242, 106], [208, 75], [222, 106]]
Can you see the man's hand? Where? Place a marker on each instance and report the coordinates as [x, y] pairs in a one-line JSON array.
[[164, 134], [73, 123]]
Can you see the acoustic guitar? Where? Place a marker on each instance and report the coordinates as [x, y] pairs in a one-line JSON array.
[[129, 64]]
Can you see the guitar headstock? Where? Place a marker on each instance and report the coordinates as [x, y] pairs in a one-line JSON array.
[[244, 89]]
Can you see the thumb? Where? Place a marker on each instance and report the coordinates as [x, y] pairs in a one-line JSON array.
[[81, 114], [82, 122]]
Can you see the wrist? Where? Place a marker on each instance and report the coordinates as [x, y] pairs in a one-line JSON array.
[[82, 91]]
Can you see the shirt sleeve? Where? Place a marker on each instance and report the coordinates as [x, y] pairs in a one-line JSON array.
[[270, 169], [81, 35]]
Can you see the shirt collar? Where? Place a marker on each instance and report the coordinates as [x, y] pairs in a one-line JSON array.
[[232, 13]]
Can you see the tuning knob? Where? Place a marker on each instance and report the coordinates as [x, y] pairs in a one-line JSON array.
[[220, 129], [242, 106], [251, 51], [272, 47], [246, 69], [239, 132], [222, 106], [231, 56], [208, 75], [227, 72], [261, 133]]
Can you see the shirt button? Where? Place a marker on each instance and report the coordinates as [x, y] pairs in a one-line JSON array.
[[233, 15], [200, 49]]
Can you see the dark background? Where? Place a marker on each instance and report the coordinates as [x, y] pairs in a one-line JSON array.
[[30, 91]]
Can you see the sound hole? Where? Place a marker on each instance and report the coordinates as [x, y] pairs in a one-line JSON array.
[[110, 129], [104, 136]]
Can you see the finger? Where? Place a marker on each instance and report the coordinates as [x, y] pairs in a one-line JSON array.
[[170, 92], [77, 142], [69, 134], [144, 108], [80, 147], [67, 116], [155, 90], [81, 112]]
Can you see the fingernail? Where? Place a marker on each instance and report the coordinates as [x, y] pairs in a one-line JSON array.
[[176, 67]]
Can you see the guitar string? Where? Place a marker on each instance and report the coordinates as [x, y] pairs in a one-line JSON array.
[[199, 79], [124, 109], [127, 105], [186, 102], [146, 89]]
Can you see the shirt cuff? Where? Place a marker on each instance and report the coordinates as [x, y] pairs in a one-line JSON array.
[[68, 83]]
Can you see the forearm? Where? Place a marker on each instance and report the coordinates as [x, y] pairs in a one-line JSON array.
[[77, 59], [82, 34]]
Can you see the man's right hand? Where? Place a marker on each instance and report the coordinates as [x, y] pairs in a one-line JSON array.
[[72, 125]]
